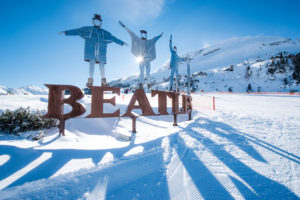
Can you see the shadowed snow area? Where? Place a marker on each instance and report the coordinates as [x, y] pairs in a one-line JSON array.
[[247, 149]]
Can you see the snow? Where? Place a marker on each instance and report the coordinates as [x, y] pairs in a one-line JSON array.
[[26, 90], [247, 149], [240, 52]]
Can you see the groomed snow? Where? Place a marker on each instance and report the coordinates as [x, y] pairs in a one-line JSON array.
[[249, 148]]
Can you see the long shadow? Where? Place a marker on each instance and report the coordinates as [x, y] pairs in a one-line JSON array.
[[142, 170], [242, 140], [204, 180], [19, 158], [226, 131], [137, 176], [269, 146], [132, 176], [264, 187]]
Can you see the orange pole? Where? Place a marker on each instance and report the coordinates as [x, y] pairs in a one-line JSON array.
[[214, 104]]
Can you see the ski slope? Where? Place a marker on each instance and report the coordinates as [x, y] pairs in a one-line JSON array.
[[247, 149]]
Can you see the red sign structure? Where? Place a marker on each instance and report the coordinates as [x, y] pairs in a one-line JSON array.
[[56, 103]]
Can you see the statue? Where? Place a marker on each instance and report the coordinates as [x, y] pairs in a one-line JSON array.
[[175, 59], [144, 50], [96, 40]]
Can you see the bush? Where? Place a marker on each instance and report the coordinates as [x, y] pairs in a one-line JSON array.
[[23, 119]]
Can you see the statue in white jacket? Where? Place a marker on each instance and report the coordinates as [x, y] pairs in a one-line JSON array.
[[144, 50]]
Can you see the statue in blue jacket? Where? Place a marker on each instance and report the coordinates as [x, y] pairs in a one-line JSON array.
[[96, 40], [175, 59], [144, 50]]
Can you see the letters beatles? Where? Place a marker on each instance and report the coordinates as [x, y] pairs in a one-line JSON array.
[[56, 103]]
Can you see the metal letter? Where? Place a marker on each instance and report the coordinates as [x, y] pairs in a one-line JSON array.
[[175, 102], [140, 96], [56, 102], [162, 101], [98, 101]]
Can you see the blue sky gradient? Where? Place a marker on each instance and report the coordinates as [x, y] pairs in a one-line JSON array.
[[32, 52]]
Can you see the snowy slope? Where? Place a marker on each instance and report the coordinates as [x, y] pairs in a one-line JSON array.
[[3, 90], [241, 52], [247, 149], [28, 90]]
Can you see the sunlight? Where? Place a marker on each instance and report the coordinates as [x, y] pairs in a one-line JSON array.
[[107, 158], [134, 150], [74, 165], [99, 191], [178, 176], [4, 159], [12, 178], [139, 59]]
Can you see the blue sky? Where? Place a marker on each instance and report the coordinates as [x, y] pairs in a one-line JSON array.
[[32, 52]]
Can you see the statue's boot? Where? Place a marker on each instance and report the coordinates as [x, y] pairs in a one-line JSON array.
[[103, 82], [90, 82], [141, 86]]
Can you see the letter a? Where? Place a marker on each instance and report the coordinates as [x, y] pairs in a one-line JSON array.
[[140, 96]]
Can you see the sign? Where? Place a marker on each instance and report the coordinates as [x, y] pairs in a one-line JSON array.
[[56, 103]]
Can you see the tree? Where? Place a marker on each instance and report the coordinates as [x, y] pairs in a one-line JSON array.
[[259, 89], [249, 89], [285, 82]]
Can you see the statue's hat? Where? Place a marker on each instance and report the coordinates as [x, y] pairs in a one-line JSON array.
[[98, 17]]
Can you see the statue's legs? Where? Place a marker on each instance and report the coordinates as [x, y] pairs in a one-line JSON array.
[[91, 73], [142, 65], [172, 78], [177, 80], [102, 74], [148, 68]]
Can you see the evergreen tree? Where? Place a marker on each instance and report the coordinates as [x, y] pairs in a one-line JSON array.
[[249, 88]]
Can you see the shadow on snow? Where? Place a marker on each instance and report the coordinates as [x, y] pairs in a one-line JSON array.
[[144, 175]]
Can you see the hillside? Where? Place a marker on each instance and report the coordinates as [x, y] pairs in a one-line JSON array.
[[27, 90], [267, 63]]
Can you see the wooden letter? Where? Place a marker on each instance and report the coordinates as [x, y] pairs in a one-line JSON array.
[[175, 102], [162, 101], [98, 101], [186, 103], [56, 102], [140, 96]]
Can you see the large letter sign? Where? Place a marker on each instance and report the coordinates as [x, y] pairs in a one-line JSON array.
[[98, 101], [140, 96], [56, 103]]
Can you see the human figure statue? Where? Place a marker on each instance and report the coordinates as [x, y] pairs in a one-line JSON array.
[[144, 50], [96, 40], [175, 59]]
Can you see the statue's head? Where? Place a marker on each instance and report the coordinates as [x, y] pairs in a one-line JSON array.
[[143, 34], [97, 20], [175, 49]]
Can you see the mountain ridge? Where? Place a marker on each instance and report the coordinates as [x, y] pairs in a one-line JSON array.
[[240, 52], [25, 90]]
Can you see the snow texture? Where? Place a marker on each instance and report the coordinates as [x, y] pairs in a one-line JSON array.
[[247, 149]]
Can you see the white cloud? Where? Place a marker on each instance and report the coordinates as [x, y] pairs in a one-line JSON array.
[[133, 10], [205, 45]]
